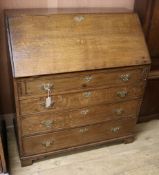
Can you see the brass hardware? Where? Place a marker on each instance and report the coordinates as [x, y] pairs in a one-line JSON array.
[[47, 87], [82, 130], [47, 107], [116, 129], [88, 78], [87, 94], [122, 93], [47, 123], [79, 18], [119, 111], [125, 77], [47, 143], [84, 112]]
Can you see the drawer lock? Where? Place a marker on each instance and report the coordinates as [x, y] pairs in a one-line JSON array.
[[79, 18]]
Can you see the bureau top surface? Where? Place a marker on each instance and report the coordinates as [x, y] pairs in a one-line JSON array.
[[68, 42]]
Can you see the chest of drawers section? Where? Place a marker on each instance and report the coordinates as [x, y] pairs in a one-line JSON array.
[[89, 107]]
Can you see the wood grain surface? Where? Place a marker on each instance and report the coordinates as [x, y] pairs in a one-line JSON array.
[[75, 39], [46, 122], [110, 63], [79, 136], [81, 99], [70, 82]]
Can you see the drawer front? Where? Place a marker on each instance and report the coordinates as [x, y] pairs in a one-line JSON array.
[[81, 99], [76, 81], [78, 136], [90, 115]]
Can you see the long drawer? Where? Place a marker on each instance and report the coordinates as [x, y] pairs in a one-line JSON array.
[[78, 136], [81, 99], [60, 83], [34, 124]]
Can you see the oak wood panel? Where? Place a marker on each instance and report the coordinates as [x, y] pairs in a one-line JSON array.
[[60, 83], [81, 99], [79, 136], [35, 124], [80, 49]]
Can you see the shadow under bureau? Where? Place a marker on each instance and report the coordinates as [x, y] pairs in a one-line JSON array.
[[79, 78]]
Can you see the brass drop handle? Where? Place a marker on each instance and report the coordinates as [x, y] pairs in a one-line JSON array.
[[47, 87], [119, 111], [87, 78], [115, 129], [47, 143], [125, 77], [84, 111], [122, 93], [79, 18], [49, 100], [83, 130], [87, 94], [47, 123]]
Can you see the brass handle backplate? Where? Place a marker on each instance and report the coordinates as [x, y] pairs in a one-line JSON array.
[[47, 123], [47, 143], [116, 129], [119, 111], [122, 93], [125, 77], [83, 130], [47, 87], [87, 94], [84, 111], [87, 78]]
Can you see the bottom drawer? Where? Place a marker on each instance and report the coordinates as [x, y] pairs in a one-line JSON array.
[[78, 136]]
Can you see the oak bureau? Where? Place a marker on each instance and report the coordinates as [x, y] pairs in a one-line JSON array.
[[79, 78]]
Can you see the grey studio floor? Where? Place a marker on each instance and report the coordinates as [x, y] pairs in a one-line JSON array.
[[138, 158]]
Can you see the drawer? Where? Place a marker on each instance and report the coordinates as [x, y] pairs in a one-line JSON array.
[[35, 124], [81, 99], [78, 136], [61, 83]]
